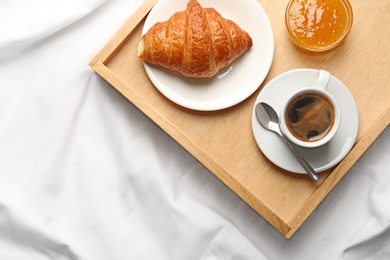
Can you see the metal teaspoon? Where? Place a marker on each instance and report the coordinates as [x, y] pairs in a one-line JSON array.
[[268, 118]]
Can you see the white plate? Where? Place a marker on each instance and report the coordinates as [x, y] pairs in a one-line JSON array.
[[232, 84], [322, 158]]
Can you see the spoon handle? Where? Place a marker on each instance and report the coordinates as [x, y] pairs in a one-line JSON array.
[[300, 159]]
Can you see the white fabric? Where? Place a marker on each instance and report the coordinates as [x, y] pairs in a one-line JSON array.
[[85, 175]]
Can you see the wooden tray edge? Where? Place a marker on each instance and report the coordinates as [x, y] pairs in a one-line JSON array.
[[116, 42]]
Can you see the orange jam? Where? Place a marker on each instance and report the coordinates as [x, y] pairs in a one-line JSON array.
[[318, 23]]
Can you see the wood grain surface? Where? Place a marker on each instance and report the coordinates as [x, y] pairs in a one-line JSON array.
[[284, 199]]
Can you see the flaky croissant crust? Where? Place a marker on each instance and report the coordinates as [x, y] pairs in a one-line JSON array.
[[196, 42]]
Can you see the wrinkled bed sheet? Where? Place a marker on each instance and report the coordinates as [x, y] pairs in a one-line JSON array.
[[85, 175]]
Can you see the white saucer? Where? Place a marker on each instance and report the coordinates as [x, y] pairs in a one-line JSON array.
[[232, 84], [322, 158]]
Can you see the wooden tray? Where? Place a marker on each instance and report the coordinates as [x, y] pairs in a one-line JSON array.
[[285, 200]]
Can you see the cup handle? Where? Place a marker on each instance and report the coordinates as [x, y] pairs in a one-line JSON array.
[[322, 80]]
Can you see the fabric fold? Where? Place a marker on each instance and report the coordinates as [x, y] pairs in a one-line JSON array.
[[25, 22], [23, 238], [372, 239]]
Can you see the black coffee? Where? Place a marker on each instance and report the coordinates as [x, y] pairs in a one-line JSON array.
[[310, 117]]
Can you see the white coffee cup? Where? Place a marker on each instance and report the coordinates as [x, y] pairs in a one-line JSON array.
[[315, 123]]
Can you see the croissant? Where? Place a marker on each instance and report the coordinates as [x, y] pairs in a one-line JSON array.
[[196, 42]]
